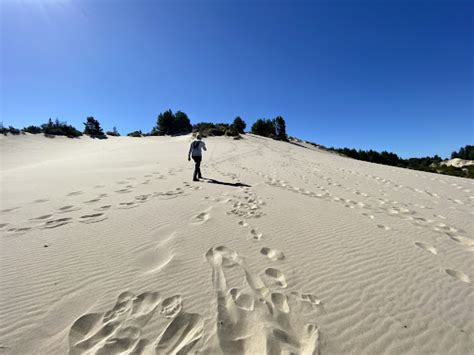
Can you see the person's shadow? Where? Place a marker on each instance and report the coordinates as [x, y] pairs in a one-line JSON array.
[[236, 184]]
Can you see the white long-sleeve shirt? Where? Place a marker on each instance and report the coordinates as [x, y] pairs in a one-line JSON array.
[[196, 148]]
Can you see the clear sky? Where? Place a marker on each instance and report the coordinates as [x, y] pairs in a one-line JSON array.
[[392, 75]]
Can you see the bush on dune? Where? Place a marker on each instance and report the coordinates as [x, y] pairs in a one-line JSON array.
[[92, 128], [207, 129], [114, 132], [58, 128], [138, 134], [32, 129]]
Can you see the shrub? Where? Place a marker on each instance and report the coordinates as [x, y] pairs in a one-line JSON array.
[[3, 130], [239, 125], [207, 129], [58, 128], [231, 131], [92, 128], [135, 134], [13, 130], [114, 132], [32, 129]]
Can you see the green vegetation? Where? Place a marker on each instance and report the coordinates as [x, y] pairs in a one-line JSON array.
[[466, 152], [113, 132], [429, 164], [239, 125], [207, 129], [58, 128], [10, 129], [169, 123], [32, 129], [135, 134], [275, 128], [92, 128]]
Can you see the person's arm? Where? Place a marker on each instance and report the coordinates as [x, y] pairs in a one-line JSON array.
[[204, 146], [190, 150]]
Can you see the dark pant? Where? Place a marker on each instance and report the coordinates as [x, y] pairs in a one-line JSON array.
[[197, 168]]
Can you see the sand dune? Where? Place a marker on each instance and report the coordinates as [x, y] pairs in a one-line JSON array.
[[109, 247]]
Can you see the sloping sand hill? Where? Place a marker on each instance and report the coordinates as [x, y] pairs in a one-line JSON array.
[[109, 247]]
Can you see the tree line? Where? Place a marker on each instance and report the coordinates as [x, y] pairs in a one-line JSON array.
[[429, 164], [167, 123]]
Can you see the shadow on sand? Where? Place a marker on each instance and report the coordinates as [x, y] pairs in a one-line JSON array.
[[236, 184]]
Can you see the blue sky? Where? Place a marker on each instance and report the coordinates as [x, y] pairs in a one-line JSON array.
[[381, 74]]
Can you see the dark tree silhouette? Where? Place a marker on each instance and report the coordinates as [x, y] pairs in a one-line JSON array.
[[32, 129], [135, 134], [181, 123], [466, 152], [280, 129], [169, 123], [263, 127], [58, 128], [239, 124], [93, 129]]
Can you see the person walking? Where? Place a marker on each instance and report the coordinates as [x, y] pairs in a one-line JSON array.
[[195, 151]]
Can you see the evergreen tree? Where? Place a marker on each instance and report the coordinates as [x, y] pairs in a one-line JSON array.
[[239, 124], [164, 122], [93, 129], [181, 123], [280, 129]]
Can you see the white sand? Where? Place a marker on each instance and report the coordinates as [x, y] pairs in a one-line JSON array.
[[108, 246]]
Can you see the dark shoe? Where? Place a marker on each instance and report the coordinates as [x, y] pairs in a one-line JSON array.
[[195, 179]]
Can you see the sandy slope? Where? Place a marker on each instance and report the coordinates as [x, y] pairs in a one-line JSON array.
[[107, 246]]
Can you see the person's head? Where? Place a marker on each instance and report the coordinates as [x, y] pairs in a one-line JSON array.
[[199, 137]]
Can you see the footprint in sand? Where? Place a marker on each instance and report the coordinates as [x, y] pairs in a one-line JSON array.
[[458, 275], [171, 306], [123, 191], [75, 193], [202, 217], [46, 216], [276, 276], [381, 226], [67, 209], [272, 254], [243, 224], [142, 198], [40, 200], [256, 235], [247, 319], [3, 225], [92, 218], [55, 223], [127, 205], [116, 331], [427, 248], [92, 201], [6, 210], [19, 230], [463, 241], [103, 208]]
